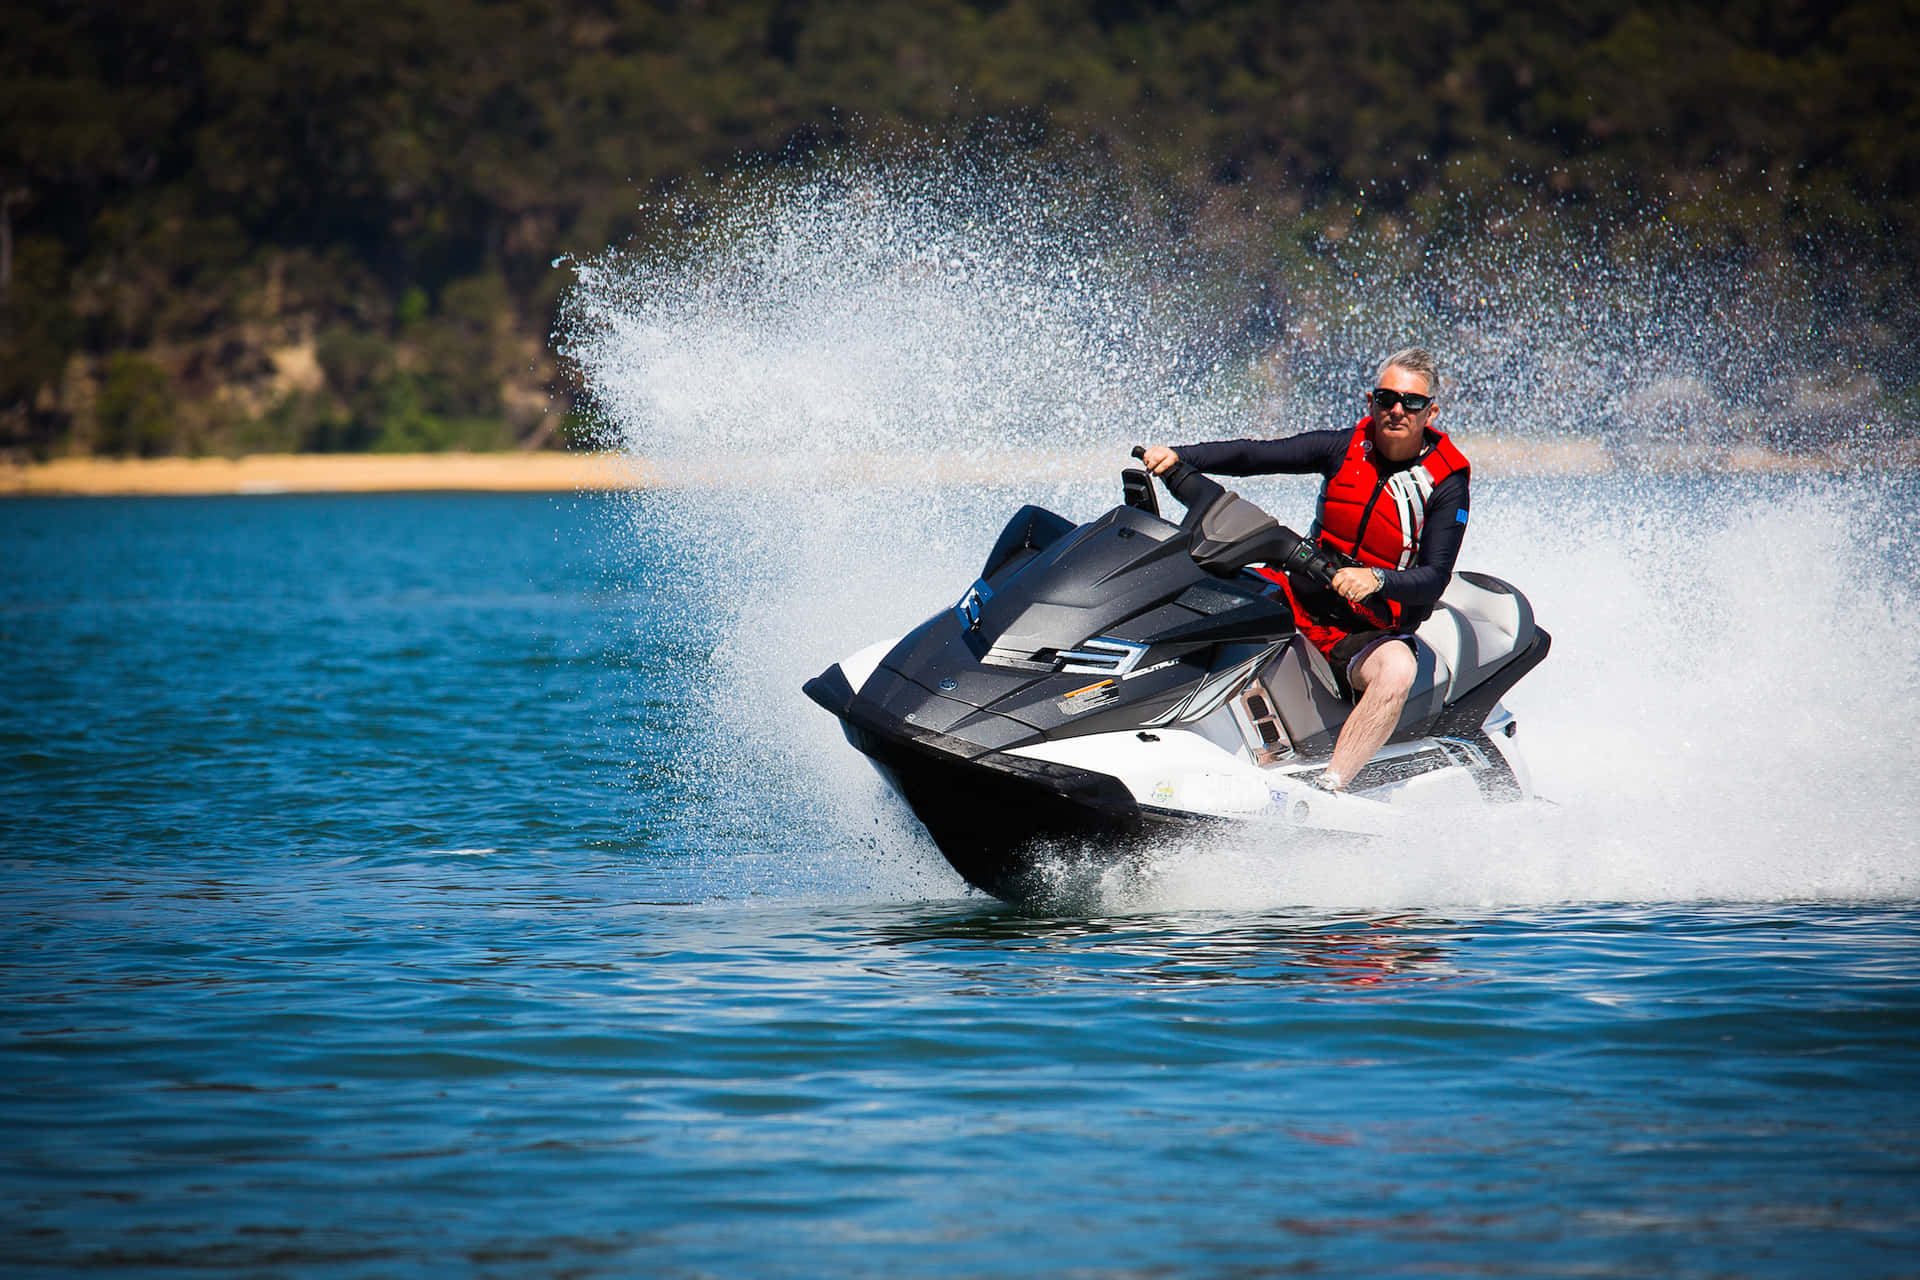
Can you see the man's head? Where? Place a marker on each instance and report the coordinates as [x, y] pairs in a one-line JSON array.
[[1399, 431]]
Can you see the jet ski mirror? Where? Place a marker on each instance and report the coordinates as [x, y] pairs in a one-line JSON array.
[[1193, 490], [1136, 488]]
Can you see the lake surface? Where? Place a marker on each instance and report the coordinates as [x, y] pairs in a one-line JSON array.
[[421, 883]]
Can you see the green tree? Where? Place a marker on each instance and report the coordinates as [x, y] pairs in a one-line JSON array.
[[135, 409]]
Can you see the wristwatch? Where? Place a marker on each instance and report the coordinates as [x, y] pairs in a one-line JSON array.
[[1379, 581]]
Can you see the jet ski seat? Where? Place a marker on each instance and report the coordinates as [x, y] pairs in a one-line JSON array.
[[1479, 625]]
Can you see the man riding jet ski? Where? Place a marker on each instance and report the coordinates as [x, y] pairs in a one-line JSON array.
[[1104, 686], [1393, 501]]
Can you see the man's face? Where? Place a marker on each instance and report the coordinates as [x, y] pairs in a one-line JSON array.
[[1398, 434]]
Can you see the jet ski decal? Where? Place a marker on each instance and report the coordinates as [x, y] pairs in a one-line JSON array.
[[1090, 698]]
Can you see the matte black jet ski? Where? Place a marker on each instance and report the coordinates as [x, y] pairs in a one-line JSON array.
[[1102, 687]]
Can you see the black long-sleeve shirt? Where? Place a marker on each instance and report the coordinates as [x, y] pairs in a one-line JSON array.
[[1415, 589]]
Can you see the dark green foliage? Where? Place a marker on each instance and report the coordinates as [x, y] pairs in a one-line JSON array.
[[39, 332], [435, 385], [384, 183], [135, 410]]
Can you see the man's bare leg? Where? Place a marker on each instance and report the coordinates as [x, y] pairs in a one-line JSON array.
[[1383, 678]]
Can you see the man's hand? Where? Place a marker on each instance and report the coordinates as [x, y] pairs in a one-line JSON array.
[[1355, 584], [1159, 459]]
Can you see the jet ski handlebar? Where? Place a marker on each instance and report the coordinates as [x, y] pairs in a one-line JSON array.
[[1231, 533], [1302, 556]]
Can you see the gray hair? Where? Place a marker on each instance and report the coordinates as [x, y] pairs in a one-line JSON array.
[[1414, 360]]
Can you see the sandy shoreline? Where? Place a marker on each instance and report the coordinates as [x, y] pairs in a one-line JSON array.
[[549, 472], [327, 473]]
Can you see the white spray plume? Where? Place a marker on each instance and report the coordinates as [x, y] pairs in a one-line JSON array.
[[850, 381]]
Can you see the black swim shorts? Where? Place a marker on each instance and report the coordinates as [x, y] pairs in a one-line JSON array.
[[1351, 647]]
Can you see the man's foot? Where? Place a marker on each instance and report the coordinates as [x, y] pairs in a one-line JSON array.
[[1330, 781]]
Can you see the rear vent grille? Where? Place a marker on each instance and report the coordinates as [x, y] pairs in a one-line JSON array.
[[1260, 725]]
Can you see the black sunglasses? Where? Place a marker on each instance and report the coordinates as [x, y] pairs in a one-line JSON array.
[[1386, 399]]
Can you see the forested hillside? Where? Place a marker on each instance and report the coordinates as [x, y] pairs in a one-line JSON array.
[[284, 225]]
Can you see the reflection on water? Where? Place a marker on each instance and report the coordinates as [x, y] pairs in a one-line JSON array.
[[1190, 950]]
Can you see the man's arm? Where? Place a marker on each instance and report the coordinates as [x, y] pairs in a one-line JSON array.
[[1440, 541], [1310, 451]]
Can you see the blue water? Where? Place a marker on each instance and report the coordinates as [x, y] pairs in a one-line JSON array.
[[375, 910]]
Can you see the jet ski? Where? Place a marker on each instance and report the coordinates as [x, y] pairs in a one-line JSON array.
[[1102, 688]]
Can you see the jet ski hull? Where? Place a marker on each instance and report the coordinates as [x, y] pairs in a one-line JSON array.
[[1005, 822]]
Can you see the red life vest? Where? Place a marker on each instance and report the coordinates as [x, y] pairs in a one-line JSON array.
[[1378, 519]]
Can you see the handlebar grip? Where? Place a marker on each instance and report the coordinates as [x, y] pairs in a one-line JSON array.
[[1189, 486]]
